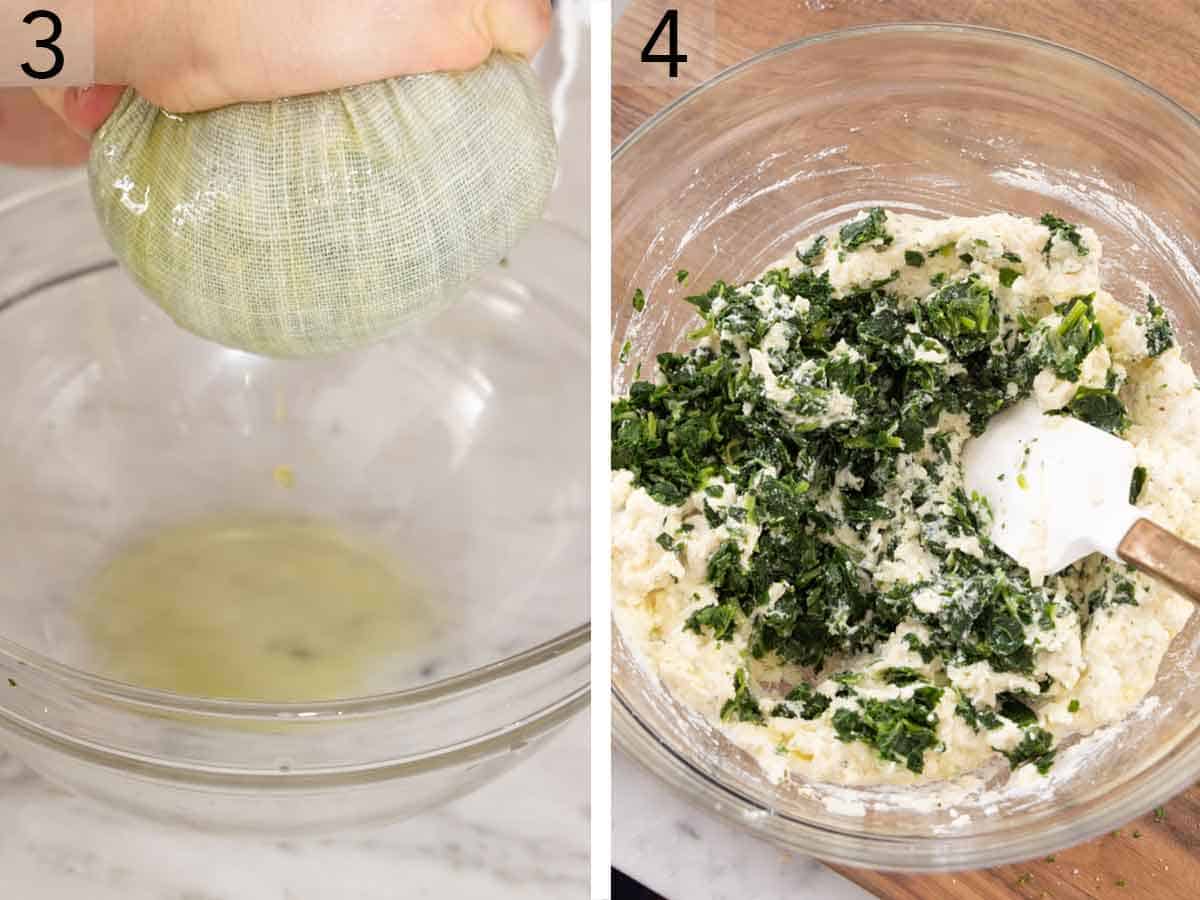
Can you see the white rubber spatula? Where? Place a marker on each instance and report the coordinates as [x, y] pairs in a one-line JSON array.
[[1059, 490]]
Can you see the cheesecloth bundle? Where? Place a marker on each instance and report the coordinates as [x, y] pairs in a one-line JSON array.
[[312, 224]]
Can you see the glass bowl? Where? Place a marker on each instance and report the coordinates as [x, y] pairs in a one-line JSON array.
[[933, 120], [459, 446]]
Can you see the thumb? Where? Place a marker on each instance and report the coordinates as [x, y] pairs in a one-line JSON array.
[[516, 26], [83, 109]]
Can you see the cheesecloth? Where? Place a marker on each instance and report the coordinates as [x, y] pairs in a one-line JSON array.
[[312, 224]]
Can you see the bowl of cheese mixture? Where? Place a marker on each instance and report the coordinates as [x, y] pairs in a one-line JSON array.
[[866, 245]]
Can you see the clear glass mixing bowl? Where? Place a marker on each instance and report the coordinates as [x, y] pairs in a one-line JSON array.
[[461, 445], [933, 120]]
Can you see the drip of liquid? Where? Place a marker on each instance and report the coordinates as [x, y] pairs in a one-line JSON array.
[[253, 609]]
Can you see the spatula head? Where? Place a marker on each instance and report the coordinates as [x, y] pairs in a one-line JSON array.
[[1058, 488]]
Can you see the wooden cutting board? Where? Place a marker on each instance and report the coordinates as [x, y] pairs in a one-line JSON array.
[[1158, 856]]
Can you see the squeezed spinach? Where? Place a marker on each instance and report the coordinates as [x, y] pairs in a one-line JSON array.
[[1160, 336], [742, 707], [804, 701], [899, 730], [871, 229], [860, 382], [1063, 231]]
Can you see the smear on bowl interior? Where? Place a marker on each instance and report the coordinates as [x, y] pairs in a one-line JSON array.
[[254, 608], [794, 554]]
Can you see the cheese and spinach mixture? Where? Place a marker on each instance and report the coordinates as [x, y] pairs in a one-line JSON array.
[[794, 554]]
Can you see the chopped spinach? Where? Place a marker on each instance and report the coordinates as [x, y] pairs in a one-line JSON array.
[[1137, 481], [963, 315], [741, 707], [900, 675], [1011, 707], [814, 253], [899, 730], [1077, 335], [807, 458], [1099, 407], [1063, 231], [1036, 747], [1160, 336], [1116, 590], [804, 701], [870, 229], [719, 619], [974, 716]]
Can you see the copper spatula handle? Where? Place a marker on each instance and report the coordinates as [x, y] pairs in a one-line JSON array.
[[1157, 552]]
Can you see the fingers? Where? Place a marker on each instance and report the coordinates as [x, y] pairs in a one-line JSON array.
[[200, 54], [31, 134], [517, 26], [82, 109]]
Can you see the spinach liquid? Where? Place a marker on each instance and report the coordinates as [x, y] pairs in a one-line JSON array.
[[253, 609]]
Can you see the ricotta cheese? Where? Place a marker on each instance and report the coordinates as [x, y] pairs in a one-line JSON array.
[[1083, 654]]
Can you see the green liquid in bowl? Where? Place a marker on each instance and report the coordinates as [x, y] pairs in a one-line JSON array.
[[252, 608]]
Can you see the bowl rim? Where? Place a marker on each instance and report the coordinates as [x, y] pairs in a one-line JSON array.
[[95, 686], [919, 27], [82, 683], [1174, 769]]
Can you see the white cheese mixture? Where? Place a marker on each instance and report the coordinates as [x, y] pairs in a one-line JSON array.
[[1088, 669]]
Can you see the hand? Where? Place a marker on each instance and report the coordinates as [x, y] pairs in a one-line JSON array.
[[190, 55]]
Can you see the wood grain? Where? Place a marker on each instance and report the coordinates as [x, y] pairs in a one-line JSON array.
[[1168, 558], [1155, 40], [1147, 859]]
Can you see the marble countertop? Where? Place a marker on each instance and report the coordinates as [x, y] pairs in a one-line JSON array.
[[525, 837], [686, 853]]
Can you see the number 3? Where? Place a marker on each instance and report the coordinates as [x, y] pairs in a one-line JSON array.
[[46, 43]]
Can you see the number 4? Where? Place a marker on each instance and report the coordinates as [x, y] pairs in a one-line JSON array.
[[670, 22]]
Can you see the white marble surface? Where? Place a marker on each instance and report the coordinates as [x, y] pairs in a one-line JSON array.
[[523, 837], [686, 853]]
